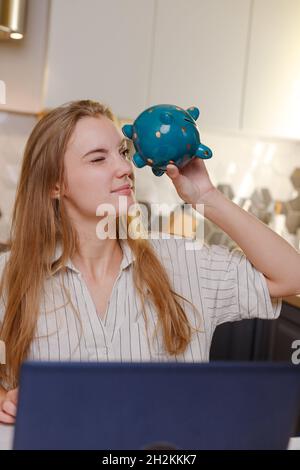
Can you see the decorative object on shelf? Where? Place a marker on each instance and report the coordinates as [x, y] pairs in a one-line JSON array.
[[291, 208], [292, 211], [3, 247], [262, 205], [165, 134], [295, 179], [213, 235], [12, 18], [226, 189]]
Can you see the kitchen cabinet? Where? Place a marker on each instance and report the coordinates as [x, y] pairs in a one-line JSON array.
[[199, 55], [283, 332], [272, 86], [22, 63], [237, 60], [100, 50], [135, 53], [259, 340], [256, 339], [234, 341]]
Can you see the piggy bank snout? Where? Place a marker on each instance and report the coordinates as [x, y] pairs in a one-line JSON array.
[[166, 117]]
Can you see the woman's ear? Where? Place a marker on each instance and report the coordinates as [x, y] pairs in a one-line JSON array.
[[56, 193]]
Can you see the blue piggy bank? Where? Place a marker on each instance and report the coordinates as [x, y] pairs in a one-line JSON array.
[[166, 134]]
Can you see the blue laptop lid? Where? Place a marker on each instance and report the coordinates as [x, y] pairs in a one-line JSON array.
[[149, 405]]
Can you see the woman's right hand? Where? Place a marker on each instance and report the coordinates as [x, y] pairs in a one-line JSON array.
[[8, 407]]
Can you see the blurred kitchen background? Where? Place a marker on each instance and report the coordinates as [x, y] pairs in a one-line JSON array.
[[237, 60]]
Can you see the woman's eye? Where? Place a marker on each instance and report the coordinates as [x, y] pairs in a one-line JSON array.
[[126, 152], [97, 160]]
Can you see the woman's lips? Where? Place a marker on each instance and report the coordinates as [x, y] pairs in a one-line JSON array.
[[125, 189]]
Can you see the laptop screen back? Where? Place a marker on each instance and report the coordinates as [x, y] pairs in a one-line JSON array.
[[149, 405]]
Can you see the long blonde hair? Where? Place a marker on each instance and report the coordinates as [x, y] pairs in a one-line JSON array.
[[40, 221]]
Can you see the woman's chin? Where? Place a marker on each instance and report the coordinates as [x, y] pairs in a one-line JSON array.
[[124, 204], [124, 211]]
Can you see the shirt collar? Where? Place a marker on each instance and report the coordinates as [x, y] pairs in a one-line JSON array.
[[128, 256]]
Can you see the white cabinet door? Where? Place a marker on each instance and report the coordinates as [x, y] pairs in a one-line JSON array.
[[100, 49], [199, 58], [272, 99], [22, 63]]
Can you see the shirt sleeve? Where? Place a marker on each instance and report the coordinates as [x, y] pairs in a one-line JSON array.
[[233, 288], [222, 283]]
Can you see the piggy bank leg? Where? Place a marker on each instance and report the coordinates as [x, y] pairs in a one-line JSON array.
[[138, 160], [128, 130], [203, 152], [157, 171]]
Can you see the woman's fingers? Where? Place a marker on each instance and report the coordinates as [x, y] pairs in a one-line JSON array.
[[9, 407], [172, 171], [12, 395], [6, 419], [8, 411]]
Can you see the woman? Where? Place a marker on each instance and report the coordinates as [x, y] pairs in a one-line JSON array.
[[69, 294]]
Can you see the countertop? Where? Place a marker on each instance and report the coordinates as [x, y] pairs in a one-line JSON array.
[[292, 300]]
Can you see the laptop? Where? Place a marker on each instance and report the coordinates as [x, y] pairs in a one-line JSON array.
[[147, 406]]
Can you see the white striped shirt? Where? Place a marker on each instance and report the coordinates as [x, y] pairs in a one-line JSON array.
[[222, 284]]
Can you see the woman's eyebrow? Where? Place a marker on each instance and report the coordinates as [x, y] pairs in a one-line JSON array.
[[123, 142]]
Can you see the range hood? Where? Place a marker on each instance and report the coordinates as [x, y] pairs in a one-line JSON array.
[[12, 18]]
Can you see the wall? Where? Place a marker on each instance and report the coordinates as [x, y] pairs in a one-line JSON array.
[[14, 131], [244, 161]]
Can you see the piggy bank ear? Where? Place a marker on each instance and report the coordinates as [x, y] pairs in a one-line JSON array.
[[194, 112], [128, 130]]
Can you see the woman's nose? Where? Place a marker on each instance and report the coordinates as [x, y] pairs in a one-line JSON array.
[[124, 166]]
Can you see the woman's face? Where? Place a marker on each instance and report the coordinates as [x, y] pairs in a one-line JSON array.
[[96, 164]]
